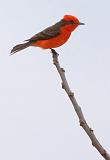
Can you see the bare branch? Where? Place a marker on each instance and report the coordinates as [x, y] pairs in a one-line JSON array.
[[77, 108]]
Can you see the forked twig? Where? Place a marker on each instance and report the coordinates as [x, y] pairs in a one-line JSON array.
[[77, 108]]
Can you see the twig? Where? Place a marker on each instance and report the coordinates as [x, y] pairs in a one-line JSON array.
[[77, 108]]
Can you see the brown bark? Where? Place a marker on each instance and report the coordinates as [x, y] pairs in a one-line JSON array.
[[77, 108]]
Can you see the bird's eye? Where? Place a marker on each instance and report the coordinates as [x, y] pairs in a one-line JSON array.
[[71, 22]]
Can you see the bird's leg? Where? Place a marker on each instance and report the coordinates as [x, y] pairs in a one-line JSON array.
[[54, 52], [54, 56]]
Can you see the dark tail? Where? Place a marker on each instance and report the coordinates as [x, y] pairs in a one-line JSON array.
[[19, 47]]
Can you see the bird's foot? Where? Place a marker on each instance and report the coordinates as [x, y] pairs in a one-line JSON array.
[[54, 52]]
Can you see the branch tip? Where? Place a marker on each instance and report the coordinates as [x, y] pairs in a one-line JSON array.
[[54, 52]]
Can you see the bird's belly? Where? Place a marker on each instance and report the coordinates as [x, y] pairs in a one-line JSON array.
[[53, 42]]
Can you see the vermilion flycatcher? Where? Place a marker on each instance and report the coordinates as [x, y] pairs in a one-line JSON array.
[[53, 36]]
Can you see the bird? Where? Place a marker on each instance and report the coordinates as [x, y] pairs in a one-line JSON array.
[[51, 37]]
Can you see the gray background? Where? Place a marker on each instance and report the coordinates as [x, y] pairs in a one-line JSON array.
[[37, 120]]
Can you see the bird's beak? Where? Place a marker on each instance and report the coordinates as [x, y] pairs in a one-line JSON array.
[[80, 23]]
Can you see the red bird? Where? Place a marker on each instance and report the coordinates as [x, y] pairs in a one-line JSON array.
[[53, 36]]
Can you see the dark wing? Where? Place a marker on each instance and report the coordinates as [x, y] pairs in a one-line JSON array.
[[49, 32]]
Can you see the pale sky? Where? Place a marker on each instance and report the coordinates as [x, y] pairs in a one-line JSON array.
[[37, 121]]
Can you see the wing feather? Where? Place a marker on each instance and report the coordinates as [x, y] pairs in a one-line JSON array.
[[48, 33]]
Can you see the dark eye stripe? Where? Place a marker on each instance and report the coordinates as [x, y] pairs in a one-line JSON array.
[[71, 22], [67, 22]]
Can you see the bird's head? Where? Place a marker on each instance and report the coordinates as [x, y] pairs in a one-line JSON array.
[[73, 21]]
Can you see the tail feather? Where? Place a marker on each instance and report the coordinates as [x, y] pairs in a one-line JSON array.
[[20, 47]]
